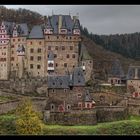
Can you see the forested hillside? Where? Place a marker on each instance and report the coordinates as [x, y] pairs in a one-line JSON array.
[[20, 16], [127, 45]]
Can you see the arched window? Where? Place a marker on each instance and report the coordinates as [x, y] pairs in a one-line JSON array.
[[52, 107], [68, 107]]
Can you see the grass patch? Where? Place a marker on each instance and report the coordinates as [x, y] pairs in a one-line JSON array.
[[131, 126], [6, 98]]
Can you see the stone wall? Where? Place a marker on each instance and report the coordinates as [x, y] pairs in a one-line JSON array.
[[77, 117], [38, 105], [107, 98], [30, 86], [8, 106], [107, 114]]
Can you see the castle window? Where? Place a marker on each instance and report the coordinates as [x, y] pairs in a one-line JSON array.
[[79, 95], [71, 47], [49, 47], [70, 37], [40, 43], [68, 107], [16, 64], [63, 48], [48, 37], [56, 64], [38, 66], [89, 61], [31, 66], [55, 55], [73, 66], [68, 55], [31, 50], [39, 50], [79, 81], [50, 64], [57, 37], [52, 107], [73, 56], [31, 43], [39, 58], [12, 46], [31, 58], [18, 39], [56, 47], [53, 90], [80, 105], [65, 90], [83, 64], [12, 58], [13, 40], [65, 64]]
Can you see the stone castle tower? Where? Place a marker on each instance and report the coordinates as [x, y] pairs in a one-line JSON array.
[[48, 49]]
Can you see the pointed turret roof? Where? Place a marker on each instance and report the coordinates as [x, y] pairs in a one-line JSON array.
[[49, 26], [76, 24], [64, 23]]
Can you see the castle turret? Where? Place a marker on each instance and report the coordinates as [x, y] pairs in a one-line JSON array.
[[21, 55], [76, 27], [48, 28]]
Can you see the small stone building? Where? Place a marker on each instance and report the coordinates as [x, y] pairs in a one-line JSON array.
[[133, 81], [67, 93]]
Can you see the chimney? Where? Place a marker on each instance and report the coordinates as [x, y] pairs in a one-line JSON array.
[[59, 23]]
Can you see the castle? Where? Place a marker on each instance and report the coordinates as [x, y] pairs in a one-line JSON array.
[[52, 48]]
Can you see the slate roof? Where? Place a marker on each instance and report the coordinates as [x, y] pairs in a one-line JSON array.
[[67, 23], [76, 24], [116, 69], [84, 53], [131, 72], [78, 77], [36, 32], [22, 28], [58, 81], [49, 26], [65, 81]]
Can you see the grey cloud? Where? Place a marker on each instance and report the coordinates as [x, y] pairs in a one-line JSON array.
[[100, 19]]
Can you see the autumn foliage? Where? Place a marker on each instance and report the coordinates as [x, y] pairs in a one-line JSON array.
[[28, 121]]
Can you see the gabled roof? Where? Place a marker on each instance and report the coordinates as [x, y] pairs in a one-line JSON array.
[[36, 32], [84, 53], [58, 81], [24, 29], [116, 69], [78, 77]]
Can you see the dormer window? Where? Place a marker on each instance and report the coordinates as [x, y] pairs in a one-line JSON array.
[[64, 31], [50, 64], [76, 32]]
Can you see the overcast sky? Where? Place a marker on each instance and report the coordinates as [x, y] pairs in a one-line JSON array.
[[99, 19]]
